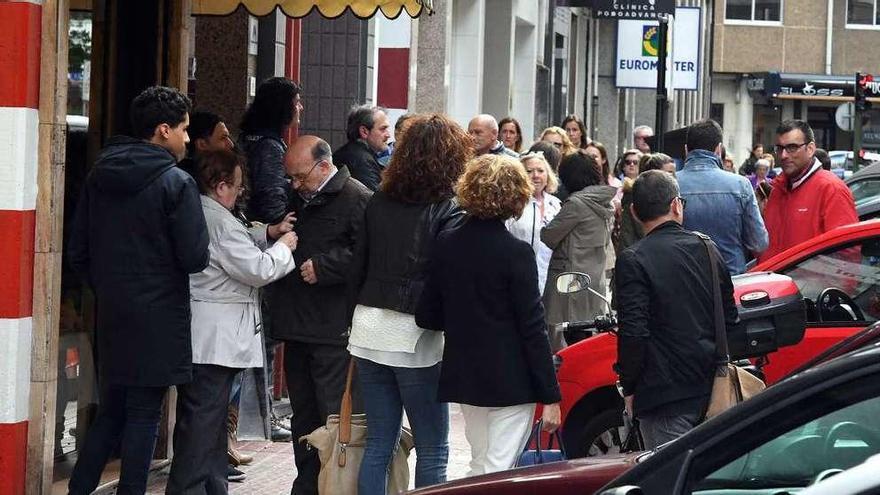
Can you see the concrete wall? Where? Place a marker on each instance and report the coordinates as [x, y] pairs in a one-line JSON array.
[[223, 66], [853, 49], [466, 59], [797, 44]]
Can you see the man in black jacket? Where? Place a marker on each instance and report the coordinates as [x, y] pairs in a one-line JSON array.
[[138, 233], [311, 307], [666, 338], [368, 132]]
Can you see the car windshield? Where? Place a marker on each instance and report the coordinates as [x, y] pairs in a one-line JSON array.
[[865, 190], [839, 440]]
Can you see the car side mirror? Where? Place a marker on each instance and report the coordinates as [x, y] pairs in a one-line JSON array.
[[623, 490], [571, 282]]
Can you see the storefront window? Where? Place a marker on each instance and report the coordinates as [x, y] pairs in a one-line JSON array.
[[76, 388], [754, 10], [79, 63]]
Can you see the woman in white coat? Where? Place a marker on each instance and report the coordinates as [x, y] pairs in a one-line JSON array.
[[539, 211], [226, 322]]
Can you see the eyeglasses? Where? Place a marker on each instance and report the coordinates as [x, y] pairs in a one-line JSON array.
[[683, 202], [631, 162], [303, 177], [230, 184], [789, 148]]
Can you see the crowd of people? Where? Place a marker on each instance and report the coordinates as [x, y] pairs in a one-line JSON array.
[[423, 263]]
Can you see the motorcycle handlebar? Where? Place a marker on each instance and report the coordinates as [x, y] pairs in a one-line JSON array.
[[601, 323]]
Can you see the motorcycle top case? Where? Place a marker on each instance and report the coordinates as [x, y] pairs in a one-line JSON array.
[[771, 312]]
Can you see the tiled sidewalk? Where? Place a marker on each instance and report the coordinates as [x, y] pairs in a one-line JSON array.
[[273, 470]]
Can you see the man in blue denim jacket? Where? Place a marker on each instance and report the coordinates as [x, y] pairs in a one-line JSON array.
[[720, 204]]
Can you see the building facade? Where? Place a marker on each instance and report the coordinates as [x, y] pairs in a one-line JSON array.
[[779, 59]]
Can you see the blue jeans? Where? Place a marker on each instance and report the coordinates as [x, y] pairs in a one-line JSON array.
[[386, 392], [129, 415]]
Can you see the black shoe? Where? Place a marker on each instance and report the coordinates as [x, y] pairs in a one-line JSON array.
[[233, 474], [280, 434]]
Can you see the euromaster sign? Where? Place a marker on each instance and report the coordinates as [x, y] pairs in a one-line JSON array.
[[638, 47]]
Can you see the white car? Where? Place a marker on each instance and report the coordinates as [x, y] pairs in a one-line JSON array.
[[842, 162], [861, 479]]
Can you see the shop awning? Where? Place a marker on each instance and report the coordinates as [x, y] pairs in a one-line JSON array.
[[328, 8]]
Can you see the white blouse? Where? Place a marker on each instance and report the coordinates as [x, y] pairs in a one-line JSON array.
[[528, 228]]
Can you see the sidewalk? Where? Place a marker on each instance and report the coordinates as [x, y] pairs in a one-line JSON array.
[[273, 470]]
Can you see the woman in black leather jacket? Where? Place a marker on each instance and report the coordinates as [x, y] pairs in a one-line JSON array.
[[398, 363]]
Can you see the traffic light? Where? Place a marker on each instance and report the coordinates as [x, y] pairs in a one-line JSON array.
[[861, 100]]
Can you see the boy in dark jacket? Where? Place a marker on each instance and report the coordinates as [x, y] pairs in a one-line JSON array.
[[138, 233]]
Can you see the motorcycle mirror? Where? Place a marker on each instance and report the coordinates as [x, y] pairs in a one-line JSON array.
[[571, 282]]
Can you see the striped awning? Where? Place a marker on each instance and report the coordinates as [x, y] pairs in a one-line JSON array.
[[328, 8]]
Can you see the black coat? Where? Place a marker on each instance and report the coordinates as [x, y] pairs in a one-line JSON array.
[[138, 233], [395, 249], [482, 291], [269, 189], [361, 162], [328, 227], [666, 338]]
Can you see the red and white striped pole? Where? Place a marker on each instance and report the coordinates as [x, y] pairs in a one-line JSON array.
[[20, 25]]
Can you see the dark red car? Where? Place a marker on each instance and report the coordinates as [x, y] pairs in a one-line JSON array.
[[587, 475], [838, 274]]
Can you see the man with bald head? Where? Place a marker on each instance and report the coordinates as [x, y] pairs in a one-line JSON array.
[[310, 307], [483, 129]]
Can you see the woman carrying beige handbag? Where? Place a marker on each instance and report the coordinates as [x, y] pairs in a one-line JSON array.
[[340, 445]]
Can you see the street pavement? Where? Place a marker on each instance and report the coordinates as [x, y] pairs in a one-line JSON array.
[[273, 470]]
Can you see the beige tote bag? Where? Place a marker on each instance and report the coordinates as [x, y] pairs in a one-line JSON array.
[[341, 444]]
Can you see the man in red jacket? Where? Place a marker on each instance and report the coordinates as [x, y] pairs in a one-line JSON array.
[[806, 200]]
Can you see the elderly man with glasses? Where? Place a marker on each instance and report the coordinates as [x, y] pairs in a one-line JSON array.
[[311, 307], [720, 204], [806, 199]]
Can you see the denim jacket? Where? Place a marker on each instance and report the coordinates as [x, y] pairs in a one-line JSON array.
[[722, 205]]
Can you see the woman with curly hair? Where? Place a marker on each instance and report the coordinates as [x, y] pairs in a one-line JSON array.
[[482, 292], [398, 363], [559, 138], [577, 131], [510, 133], [579, 237]]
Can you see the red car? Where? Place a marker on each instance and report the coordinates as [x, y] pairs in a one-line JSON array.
[[841, 289], [846, 260]]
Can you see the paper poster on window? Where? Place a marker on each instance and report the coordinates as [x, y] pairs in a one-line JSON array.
[[638, 49]]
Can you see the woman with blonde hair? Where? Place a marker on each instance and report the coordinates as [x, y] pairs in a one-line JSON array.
[[482, 291], [559, 138], [539, 211]]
